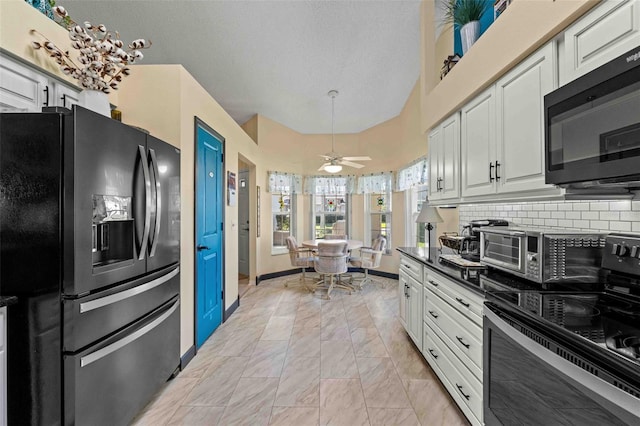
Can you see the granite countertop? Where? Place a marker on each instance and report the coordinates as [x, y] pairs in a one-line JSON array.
[[7, 300], [478, 279]]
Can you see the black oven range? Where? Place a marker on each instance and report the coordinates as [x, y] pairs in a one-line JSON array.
[[565, 357]]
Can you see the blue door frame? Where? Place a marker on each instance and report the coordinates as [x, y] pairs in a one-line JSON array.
[[209, 231]]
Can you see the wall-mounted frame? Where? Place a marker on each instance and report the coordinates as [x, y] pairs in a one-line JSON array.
[[231, 189], [258, 212]]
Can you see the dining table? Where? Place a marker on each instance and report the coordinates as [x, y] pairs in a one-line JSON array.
[[351, 244]]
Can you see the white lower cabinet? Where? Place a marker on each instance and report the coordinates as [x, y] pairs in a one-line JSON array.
[[444, 320], [464, 388], [452, 340], [410, 297], [3, 366]]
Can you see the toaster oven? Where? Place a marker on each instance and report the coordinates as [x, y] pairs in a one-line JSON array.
[[543, 256]]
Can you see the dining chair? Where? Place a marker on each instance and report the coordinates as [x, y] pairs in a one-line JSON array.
[[336, 237], [300, 257], [339, 227], [370, 258], [331, 261]]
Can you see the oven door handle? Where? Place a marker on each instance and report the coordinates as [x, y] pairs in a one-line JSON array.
[[616, 398]]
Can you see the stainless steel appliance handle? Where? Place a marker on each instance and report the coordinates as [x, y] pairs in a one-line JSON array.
[[117, 297], [572, 372], [154, 163], [147, 196], [101, 353], [497, 230]]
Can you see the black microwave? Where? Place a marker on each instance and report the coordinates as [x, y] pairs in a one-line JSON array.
[[592, 128]]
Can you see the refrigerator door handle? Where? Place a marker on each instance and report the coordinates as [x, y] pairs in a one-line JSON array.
[[147, 196], [158, 188], [103, 352], [117, 297]]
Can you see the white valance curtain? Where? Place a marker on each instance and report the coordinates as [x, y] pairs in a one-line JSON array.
[[416, 173], [375, 183], [284, 183], [329, 185]]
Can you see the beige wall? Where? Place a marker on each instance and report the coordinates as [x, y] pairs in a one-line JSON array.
[[165, 99], [521, 29]]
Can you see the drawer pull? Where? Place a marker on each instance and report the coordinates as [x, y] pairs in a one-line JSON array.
[[462, 302], [463, 394], [433, 314], [466, 345], [433, 354], [435, 284], [406, 266]]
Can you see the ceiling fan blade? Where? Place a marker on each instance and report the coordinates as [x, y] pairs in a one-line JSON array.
[[326, 156], [350, 164], [323, 166], [356, 158]]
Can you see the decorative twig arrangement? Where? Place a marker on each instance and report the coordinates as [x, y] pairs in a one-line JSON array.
[[102, 62]]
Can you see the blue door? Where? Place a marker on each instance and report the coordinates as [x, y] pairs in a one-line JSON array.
[[209, 210]]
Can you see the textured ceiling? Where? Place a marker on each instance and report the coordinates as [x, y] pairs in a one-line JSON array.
[[280, 58]]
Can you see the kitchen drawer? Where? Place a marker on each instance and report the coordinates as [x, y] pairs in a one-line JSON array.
[[466, 301], [412, 267], [464, 388], [463, 336]]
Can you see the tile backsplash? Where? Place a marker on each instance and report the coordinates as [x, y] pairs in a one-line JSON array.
[[610, 216]]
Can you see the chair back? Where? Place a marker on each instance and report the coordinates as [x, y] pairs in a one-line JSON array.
[[335, 237], [379, 244], [299, 258], [339, 227], [332, 257]]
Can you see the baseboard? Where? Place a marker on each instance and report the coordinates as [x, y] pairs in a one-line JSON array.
[[297, 271], [277, 275], [384, 274], [187, 357], [231, 310]]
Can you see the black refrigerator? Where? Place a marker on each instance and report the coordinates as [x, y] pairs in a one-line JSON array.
[[90, 244]]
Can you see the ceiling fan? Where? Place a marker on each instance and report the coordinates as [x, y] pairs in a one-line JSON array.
[[335, 161]]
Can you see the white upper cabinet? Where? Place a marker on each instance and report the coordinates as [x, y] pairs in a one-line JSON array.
[[444, 159], [477, 145], [25, 89], [502, 140], [520, 122], [606, 32]]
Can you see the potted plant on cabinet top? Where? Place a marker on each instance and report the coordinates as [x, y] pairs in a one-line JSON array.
[[465, 15]]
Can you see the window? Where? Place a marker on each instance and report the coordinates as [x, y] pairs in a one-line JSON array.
[[412, 179], [283, 215], [283, 188], [416, 233], [377, 204], [378, 209], [330, 203]]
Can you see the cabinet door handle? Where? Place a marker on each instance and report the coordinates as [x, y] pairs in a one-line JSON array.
[[64, 100], [440, 184], [432, 353], [433, 314], [497, 170], [462, 302], [466, 345], [435, 284], [463, 394], [491, 178], [46, 92]]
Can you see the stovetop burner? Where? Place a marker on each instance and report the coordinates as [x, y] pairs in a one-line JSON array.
[[606, 319]]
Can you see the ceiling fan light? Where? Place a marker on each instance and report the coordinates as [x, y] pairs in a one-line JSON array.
[[332, 168]]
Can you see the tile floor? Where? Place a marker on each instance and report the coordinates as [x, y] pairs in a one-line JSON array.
[[289, 357]]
